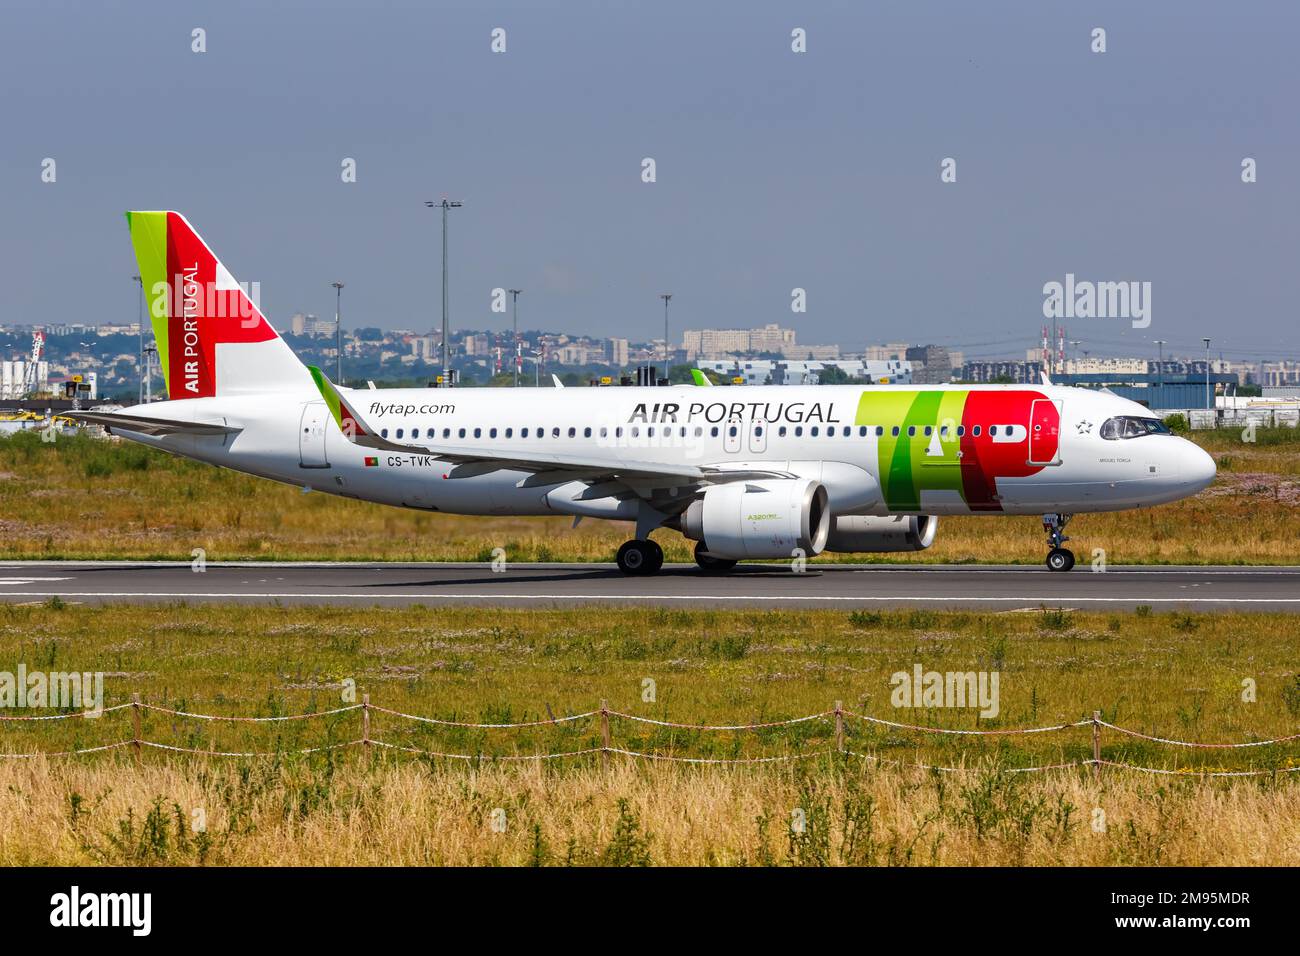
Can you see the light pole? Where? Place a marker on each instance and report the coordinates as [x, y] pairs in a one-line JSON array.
[[1160, 362], [139, 399], [444, 204], [1206, 340], [338, 331], [514, 303], [666, 296], [149, 354]]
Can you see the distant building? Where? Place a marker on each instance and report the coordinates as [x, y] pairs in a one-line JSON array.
[[705, 343], [308, 324], [793, 372], [1002, 370], [13, 375], [931, 364], [617, 352], [893, 352]]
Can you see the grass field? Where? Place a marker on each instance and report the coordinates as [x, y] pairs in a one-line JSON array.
[[82, 498], [1174, 675]]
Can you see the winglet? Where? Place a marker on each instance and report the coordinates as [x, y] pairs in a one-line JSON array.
[[699, 377], [350, 424]]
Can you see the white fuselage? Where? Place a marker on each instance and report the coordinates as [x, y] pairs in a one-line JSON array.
[[832, 434]]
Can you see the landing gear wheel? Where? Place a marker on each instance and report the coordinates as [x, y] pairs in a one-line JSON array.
[[709, 563], [640, 557], [1060, 559]]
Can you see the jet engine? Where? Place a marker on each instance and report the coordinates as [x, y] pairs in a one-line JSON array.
[[863, 533], [769, 518]]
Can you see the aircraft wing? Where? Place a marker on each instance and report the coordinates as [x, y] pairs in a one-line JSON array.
[[148, 426], [585, 467]]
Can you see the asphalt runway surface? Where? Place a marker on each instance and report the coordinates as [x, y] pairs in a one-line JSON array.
[[971, 587]]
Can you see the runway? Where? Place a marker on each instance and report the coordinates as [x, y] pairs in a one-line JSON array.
[[971, 587]]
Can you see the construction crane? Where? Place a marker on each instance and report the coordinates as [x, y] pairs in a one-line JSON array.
[[30, 373]]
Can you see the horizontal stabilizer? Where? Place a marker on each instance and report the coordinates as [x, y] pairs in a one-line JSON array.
[[147, 426]]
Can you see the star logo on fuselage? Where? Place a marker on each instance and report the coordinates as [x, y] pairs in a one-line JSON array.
[[1084, 427]]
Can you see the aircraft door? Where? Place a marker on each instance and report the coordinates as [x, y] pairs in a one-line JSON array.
[[1045, 432], [758, 437], [311, 436]]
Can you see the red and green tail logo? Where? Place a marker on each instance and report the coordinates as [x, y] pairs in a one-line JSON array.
[[194, 303]]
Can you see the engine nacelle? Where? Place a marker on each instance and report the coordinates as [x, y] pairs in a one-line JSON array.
[[770, 518], [865, 533]]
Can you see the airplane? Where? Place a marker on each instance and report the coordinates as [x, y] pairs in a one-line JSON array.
[[748, 473]]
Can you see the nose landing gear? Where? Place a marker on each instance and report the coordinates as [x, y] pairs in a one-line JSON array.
[[1058, 558]]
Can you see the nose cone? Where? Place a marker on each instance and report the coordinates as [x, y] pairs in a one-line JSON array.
[[1196, 468]]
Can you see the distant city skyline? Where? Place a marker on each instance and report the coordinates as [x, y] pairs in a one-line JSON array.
[[775, 171]]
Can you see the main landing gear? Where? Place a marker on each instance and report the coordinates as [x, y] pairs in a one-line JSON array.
[[640, 557], [1058, 558], [709, 563]]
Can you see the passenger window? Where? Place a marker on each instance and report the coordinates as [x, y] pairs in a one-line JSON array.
[[650, 432], [555, 433], [975, 431], [510, 432], [383, 433], [492, 433], [758, 431], [699, 432], [798, 431], [993, 430], [880, 431], [862, 432], [460, 433], [780, 432], [399, 433], [731, 430], [523, 433], [573, 433], [618, 432], [961, 430], [604, 432], [911, 431], [928, 431], [478, 433], [894, 431], [714, 431], [446, 433], [586, 433], [813, 431]]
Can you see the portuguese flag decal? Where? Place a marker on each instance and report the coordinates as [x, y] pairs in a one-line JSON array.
[[372, 462]]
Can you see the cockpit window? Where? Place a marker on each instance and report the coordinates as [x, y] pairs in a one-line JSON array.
[[1131, 426]]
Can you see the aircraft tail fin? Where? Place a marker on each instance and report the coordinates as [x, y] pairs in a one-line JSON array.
[[212, 338]]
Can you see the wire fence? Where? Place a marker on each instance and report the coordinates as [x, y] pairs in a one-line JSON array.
[[838, 714]]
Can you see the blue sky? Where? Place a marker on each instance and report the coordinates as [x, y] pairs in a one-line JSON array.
[[775, 170]]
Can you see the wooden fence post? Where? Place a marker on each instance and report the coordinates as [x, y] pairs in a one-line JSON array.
[[1096, 745], [604, 734], [365, 725], [136, 736], [839, 725]]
